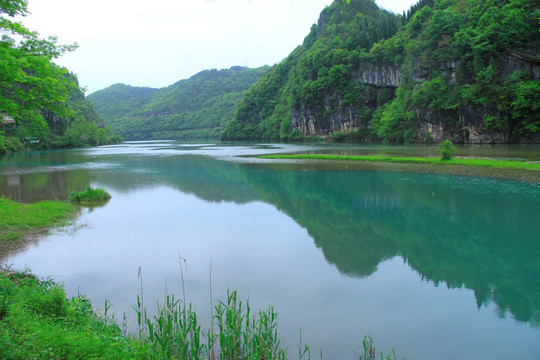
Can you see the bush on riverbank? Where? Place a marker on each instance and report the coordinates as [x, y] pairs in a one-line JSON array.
[[9, 144], [446, 149], [91, 195]]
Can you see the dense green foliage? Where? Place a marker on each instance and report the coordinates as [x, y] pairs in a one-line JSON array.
[[450, 60], [198, 107], [38, 322], [43, 98], [17, 219], [456, 72]]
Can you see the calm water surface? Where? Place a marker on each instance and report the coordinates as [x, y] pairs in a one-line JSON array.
[[435, 265]]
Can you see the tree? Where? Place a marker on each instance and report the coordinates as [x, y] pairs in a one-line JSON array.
[[29, 80], [446, 149]]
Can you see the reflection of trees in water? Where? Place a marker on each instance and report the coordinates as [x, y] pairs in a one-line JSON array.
[[465, 232], [208, 179], [37, 176], [459, 231], [32, 187]]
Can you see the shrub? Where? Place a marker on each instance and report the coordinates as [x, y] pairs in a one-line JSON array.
[[91, 195], [446, 149]]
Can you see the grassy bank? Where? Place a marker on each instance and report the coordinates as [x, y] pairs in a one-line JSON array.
[[18, 220], [37, 321], [509, 164]]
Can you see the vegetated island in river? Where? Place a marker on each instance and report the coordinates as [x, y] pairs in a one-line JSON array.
[[513, 164]]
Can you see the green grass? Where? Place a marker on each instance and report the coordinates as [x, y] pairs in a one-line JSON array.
[[37, 321], [17, 220], [414, 160], [89, 196]]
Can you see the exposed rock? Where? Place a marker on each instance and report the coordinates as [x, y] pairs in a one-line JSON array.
[[305, 120], [380, 76], [468, 134]]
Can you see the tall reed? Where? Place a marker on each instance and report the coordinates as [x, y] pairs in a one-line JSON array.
[[174, 331]]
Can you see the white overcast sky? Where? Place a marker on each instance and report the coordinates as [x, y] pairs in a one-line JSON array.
[[156, 43]]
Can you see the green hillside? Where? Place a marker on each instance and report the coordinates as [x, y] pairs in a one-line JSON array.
[[467, 70], [198, 107]]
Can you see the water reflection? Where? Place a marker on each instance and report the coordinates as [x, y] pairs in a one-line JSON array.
[[476, 233], [47, 175], [463, 232]]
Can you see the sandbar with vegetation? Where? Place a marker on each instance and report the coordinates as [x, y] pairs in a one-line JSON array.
[[512, 164]]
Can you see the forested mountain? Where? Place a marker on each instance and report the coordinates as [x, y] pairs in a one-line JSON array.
[[198, 107], [467, 70], [41, 104]]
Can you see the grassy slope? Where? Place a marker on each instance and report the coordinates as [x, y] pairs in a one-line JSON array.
[[415, 160]]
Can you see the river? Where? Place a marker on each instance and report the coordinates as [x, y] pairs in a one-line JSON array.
[[437, 263]]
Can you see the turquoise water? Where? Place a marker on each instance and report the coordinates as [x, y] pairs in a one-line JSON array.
[[433, 265]]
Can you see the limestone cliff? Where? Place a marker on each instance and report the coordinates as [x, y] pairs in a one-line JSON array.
[[463, 70]]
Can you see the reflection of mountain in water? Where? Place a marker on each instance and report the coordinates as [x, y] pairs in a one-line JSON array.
[[207, 178], [477, 233]]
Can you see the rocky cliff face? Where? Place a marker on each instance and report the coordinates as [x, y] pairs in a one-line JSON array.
[[469, 125], [373, 77], [305, 120]]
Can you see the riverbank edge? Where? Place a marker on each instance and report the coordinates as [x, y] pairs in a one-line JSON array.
[[19, 220], [507, 164], [37, 320]]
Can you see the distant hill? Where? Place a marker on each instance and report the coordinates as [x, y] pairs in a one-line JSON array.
[[198, 107], [464, 70]]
